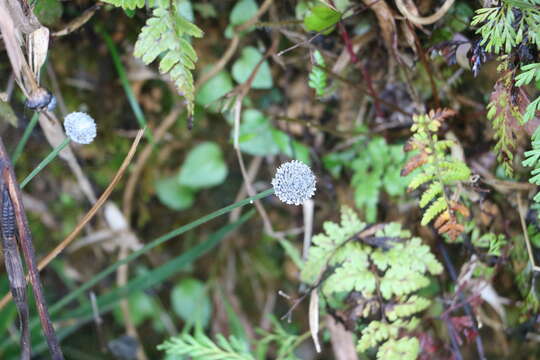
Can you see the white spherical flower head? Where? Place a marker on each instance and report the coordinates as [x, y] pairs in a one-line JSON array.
[[80, 127], [294, 183]]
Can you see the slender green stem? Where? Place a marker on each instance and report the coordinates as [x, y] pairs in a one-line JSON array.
[[45, 162], [26, 135], [139, 115]]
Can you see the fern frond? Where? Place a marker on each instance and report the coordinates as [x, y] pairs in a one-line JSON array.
[[201, 347], [167, 33], [532, 108], [413, 305], [437, 207], [406, 348], [326, 246], [126, 4], [434, 189], [438, 169], [382, 265], [317, 76], [529, 73], [420, 179]]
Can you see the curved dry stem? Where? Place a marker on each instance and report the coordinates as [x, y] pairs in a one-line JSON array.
[[419, 20]]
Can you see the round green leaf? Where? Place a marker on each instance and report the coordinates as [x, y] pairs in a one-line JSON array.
[[242, 11], [141, 307], [190, 301], [174, 195], [243, 67], [214, 89], [256, 134], [321, 19], [204, 167]]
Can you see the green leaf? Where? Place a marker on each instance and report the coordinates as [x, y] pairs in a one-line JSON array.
[[141, 307], [244, 66], [290, 147], [321, 18], [48, 11], [190, 301], [242, 11], [317, 76], [174, 195], [256, 134], [214, 89], [204, 167]]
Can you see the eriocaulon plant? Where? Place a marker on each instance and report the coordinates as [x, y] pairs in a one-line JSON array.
[[80, 128]]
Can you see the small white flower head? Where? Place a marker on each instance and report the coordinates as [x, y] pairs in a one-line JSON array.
[[80, 127], [294, 183]]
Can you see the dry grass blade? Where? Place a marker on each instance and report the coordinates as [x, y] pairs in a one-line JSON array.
[[314, 318]]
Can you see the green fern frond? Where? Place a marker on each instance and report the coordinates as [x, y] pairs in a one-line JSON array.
[[126, 4], [437, 207], [326, 247], [201, 347], [354, 274], [317, 77], [405, 348], [529, 73], [434, 190], [438, 170], [377, 332], [413, 305], [167, 33], [532, 108], [532, 159], [421, 179], [383, 266]]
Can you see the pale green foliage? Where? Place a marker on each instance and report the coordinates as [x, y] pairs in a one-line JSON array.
[[529, 73], [317, 76], [388, 262], [438, 170], [376, 167], [392, 348], [532, 158], [200, 347], [286, 342], [401, 349], [167, 34], [126, 4], [502, 30], [327, 248]]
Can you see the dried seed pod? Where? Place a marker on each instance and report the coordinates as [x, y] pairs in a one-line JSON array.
[[80, 127], [294, 182]]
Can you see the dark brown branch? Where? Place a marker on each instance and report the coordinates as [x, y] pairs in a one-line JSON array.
[[14, 269], [25, 242]]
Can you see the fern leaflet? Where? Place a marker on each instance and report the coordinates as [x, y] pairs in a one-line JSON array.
[[317, 76], [201, 347], [167, 33], [126, 4]]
